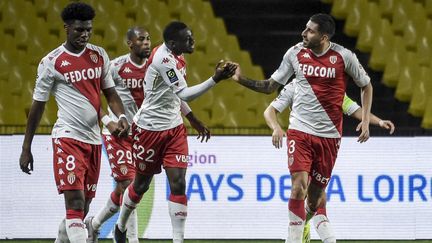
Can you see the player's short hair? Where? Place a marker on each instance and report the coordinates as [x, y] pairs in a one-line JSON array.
[[171, 31], [131, 31], [77, 11], [326, 24]]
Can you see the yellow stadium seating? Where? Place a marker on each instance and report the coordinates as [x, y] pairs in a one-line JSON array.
[[414, 27], [424, 45], [356, 17], [341, 8], [402, 12], [427, 118], [395, 60], [383, 46], [369, 28], [428, 8], [386, 8], [422, 91], [408, 77]]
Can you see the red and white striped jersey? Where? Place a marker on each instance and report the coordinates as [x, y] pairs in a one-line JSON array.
[[129, 79], [165, 77], [320, 87], [75, 80]]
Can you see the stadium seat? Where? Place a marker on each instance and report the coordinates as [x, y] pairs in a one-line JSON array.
[[341, 8], [422, 91], [428, 8], [356, 17], [414, 27], [386, 8], [427, 118], [395, 60], [369, 29], [408, 77], [219, 113], [383, 46], [424, 45], [403, 10]]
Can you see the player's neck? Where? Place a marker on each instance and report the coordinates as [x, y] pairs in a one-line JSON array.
[[72, 48], [321, 49], [137, 60]]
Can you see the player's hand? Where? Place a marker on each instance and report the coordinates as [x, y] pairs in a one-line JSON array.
[[277, 137], [364, 135], [113, 128], [203, 131], [26, 161], [224, 70], [237, 74], [388, 125], [123, 127]]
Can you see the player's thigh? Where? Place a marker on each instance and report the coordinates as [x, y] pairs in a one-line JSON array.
[[326, 150], [93, 171], [176, 154], [148, 150], [70, 163], [315, 196], [119, 152], [74, 199], [299, 151]]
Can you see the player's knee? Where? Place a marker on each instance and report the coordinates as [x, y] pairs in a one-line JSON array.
[[178, 187], [299, 191], [75, 203], [141, 188]]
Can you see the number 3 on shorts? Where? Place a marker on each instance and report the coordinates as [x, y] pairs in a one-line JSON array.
[[291, 146]]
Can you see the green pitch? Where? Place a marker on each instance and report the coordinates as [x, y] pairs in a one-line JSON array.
[[232, 241]]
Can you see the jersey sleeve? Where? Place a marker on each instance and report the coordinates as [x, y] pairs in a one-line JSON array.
[[285, 70], [44, 80], [285, 98], [106, 81], [349, 106], [354, 69], [114, 70], [170, 74]]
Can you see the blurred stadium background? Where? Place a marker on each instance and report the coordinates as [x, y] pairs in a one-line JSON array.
[[392, 39]]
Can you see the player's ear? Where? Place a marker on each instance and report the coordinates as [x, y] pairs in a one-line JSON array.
[[129, 43]]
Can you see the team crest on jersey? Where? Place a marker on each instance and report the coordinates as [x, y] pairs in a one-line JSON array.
[[94, 57], [172, 76], [71, 178], [333, 59], [124, 169]]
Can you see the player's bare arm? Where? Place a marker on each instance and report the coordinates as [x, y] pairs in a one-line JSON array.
[[116, 106], [374, 120], [26, 159], [270, 116], [263, 86], [203, 131], [366, 94], [201, 128]]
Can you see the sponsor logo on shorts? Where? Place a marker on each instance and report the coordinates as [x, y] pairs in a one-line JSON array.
[[319, 177], [182, 158], [71, 178], [91, 187]]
